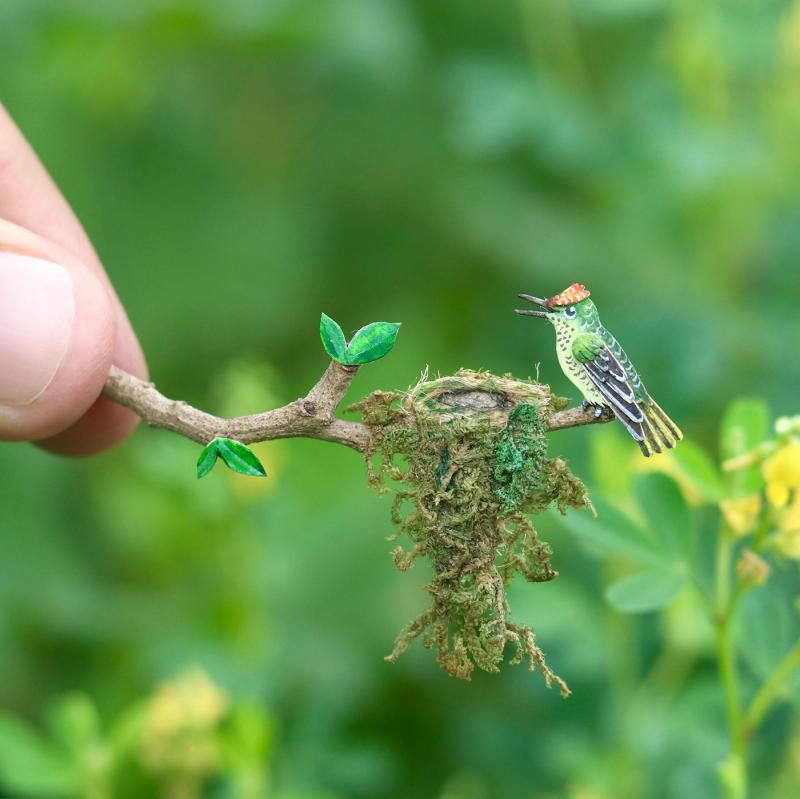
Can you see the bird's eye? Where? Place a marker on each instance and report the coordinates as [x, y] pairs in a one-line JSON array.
[[570, 312]]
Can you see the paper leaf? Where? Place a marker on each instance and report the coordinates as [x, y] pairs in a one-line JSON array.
[[236, 456], [239, 458], [371, 343], [332, 338], [208, 457]]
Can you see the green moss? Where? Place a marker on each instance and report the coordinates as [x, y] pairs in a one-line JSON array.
[[470, 453], [519, 457]]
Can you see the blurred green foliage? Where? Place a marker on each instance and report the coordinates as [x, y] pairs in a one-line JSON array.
[[424, 161]]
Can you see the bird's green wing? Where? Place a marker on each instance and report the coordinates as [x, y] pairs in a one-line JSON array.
[[611, 380], [587, 347]]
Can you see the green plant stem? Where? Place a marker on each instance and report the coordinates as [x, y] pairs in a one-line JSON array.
[[722, 573], [769, 691], [726, 603], [727, 667], [761, 532], [741, 725]]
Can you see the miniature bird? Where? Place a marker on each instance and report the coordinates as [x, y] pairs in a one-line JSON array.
[[596, 363]]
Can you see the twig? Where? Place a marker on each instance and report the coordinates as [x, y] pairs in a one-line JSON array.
[[312, 416]]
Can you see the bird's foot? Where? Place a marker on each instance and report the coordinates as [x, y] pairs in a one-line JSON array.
[[599, 410]]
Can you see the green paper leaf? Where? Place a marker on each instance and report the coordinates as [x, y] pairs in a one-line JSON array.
[[695, 465], [207, 459], [644, 591], [371, 343], [332, 338], [235, 455], [239, 458]]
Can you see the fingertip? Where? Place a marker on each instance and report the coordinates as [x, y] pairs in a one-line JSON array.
[[103, 426], [57, 337], [105, 423]]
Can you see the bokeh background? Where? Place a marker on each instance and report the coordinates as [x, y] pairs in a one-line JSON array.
[[243, 166]]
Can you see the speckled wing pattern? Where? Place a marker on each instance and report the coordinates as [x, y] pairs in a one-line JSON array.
[[611, 381], [642, 418]]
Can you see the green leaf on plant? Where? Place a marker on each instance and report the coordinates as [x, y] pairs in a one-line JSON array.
[[695, 465], [74, 722], [371, 343], [745, 424], [644, 591], [332, 338], [30, 765], [665, 512], [235, 455], [769, 625], [614, 533]]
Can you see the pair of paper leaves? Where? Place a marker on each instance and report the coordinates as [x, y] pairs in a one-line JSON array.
[[235, 455], [368, 344]]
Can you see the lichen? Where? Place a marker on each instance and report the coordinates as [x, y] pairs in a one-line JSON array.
[[470, 454]]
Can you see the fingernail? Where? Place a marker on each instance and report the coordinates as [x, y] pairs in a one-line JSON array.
[[37, 308]]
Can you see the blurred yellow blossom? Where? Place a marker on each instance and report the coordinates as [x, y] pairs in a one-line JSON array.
[[179, 724], [787, 539], [782, 473], [273, 454], [250, 386], [751, 569], [741, 514], [189, 700], [790, 34]]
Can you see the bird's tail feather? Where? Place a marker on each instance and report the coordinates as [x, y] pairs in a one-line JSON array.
[[658, 429]]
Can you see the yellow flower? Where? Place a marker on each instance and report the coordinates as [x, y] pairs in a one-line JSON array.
[[179, 724], [782, 473], [741, 514], [787, 539], [789, 33]]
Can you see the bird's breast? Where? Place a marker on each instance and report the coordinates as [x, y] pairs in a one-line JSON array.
[[573, 369]]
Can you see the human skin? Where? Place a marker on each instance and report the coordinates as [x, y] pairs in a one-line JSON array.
[[61, 322]]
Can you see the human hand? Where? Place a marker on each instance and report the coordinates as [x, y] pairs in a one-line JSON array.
[[61, 324]]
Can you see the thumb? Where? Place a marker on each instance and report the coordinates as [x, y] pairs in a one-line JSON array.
[[57, 328]]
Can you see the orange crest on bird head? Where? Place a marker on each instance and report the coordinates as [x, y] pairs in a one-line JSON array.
[[575, 293]]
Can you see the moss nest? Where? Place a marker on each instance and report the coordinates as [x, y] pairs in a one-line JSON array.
[[470, 454]]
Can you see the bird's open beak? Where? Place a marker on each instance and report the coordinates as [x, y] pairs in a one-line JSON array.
[[528, 311]]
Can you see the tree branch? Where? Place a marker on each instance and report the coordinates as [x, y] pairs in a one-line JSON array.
[[312, 416]]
